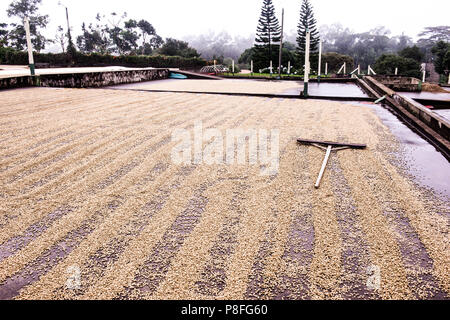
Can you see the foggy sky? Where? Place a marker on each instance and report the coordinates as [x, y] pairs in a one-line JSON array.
[[180, 18]]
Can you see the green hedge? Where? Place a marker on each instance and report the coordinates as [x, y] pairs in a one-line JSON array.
[[10, 56], [387, 63]]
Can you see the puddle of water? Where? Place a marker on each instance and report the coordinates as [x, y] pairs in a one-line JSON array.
[[336, 90], [426, 164], [326, 89]]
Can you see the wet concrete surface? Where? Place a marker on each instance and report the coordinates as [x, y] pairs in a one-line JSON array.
[[326, 89], [425, 163], [443, 113], [427, 95], [350, 90]]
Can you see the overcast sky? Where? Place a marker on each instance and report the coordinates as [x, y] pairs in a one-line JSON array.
[[179, 18]]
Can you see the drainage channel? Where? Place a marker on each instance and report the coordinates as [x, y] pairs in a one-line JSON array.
[[423, 162]]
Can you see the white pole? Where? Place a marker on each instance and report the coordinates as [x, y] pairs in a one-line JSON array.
[[449, 78], [320, 59], [29, 45], [281, 45], [308, 46], [354, 71], [233, 66], [326, 68], [396, 71], [251, 66], [359, 69], [289, 67], [368, 70], [324, 165], [271, 67], [424, 75]]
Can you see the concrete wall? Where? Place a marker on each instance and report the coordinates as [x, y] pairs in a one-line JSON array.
[[435, 127], [432, 119]]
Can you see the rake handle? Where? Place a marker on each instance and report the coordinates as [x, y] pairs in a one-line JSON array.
[[324, 165]]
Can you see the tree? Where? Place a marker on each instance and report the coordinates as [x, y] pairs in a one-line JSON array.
[[430, 36], [288, 54], [156, 42], [114, 35], [4, 34], [147, 30], [441, 52], [413, 52], [22, 9], [403, 42], [387, 63], [268, 32], [435, 34], [130, 36], [247, 56], [307, 22], [93, 38], [173, 47], [336, 60], [220, 44], [60, 38]]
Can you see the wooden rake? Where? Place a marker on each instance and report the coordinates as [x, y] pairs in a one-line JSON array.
[[330, 146]]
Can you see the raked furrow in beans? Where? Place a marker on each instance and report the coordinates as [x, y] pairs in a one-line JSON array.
[[129, 179]]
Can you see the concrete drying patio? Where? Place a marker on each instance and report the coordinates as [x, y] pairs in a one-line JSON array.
[[220, 86], [87, 183]]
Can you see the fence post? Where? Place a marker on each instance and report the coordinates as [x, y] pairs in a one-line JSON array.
[[306, 80], [320, 61], [29, 45]]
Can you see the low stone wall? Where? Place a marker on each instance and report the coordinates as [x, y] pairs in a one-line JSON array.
[[85, 80], [398, 83], [101, 79], [15, 82]]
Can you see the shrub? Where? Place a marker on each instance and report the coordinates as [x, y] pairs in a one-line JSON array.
[[10, 56], [335, 62], [387, 63]]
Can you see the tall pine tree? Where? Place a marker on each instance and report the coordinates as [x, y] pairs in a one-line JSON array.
[[268, 36], [307, 22]]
